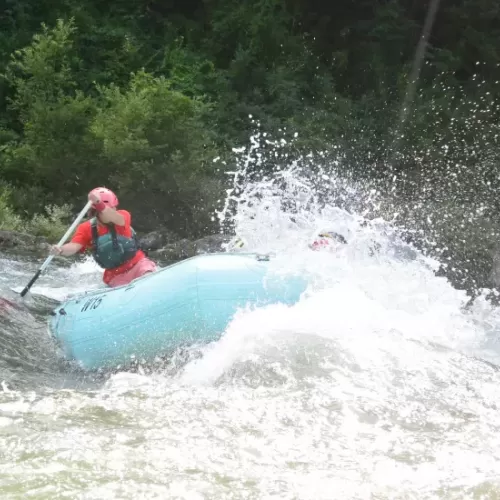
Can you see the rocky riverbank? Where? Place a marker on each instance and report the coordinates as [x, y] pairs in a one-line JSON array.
[[22, 243], [481, 266], [162, 245]]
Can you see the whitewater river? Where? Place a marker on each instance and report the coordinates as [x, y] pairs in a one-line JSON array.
[[381, 383], [378, 384]]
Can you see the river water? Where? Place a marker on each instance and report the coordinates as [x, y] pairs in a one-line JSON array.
[[381, 383]]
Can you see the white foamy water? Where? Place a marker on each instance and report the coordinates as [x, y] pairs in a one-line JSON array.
[[56, 283], [374, 385]]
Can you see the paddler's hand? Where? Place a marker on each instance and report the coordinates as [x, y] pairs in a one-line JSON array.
[[55, 250], [94, 198]]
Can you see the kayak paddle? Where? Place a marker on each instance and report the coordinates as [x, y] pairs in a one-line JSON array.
[[81, 215]]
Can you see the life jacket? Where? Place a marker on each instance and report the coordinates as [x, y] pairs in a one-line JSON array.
[[111, 250]]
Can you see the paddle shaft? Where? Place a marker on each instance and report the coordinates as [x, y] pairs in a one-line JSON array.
[[68, 233]]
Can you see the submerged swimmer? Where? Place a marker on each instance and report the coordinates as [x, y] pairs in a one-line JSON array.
[[324, 240], [327, 240]]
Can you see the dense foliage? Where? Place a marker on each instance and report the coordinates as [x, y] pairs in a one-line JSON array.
[[142, 95]]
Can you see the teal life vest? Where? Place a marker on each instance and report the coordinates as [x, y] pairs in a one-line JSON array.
[[111, 250]]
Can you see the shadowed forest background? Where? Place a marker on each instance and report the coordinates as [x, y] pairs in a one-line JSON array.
[[142, 96]]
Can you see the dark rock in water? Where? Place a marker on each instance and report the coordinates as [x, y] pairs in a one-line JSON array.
[[22, 242], [10, 239], [158, 239], [6, 305], [210, 244], [185, 248], [173, 252]]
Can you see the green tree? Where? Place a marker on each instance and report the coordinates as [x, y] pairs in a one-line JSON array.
[[55, 149], [155, 147]]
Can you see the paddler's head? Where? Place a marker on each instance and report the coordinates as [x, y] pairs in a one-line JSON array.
[[327, 240], [106, 197]]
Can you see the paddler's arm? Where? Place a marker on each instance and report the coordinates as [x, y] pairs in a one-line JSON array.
[[67, 249], [107, 215]]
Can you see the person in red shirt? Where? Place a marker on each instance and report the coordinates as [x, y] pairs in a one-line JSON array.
[[110, 237]]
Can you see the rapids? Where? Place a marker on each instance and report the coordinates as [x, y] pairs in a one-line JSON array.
[[382, 382]]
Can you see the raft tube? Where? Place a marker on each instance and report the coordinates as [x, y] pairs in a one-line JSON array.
[[189, 302]]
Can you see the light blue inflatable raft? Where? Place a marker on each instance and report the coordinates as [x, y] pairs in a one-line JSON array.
[[188, 302]]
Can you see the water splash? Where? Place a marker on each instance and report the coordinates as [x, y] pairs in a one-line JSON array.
[[280, 208], [374, 385], [380, 365]]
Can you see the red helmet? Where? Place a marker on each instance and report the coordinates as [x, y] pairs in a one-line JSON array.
[[327, 238], [106, 195]]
